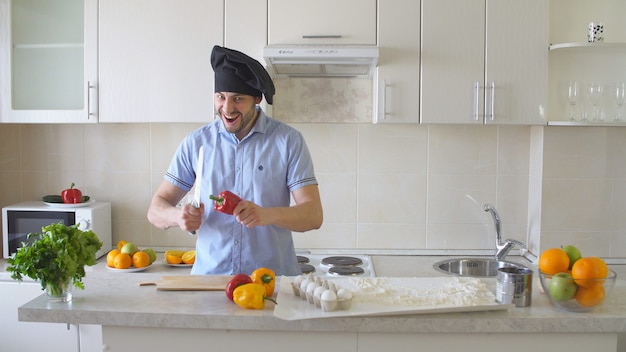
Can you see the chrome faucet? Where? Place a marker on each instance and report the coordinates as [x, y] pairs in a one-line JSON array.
[[502, 248]]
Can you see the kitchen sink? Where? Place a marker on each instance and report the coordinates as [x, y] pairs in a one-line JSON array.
[[478, 267]]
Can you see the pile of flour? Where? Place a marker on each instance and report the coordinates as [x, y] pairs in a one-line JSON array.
[[453, 291]]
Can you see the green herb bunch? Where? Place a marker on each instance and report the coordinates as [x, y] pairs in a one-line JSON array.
[[57, 255]]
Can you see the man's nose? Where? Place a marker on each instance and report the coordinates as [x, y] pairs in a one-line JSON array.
[[226, 107]]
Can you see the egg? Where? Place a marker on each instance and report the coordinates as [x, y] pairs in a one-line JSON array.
[[310, 288], [344, 299], [295, 285], [344, 294], [317, 295], [328, 301]]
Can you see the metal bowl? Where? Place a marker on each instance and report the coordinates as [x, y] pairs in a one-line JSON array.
[[477, 267]]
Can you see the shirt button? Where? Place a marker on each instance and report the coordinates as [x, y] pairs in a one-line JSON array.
[[236, 241]]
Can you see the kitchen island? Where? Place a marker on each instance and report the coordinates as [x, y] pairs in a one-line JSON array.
[[141, 316]]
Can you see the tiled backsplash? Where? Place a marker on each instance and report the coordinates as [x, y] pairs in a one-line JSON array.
[[384, 187]]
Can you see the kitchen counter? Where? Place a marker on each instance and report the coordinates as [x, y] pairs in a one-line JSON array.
[[116, 299]]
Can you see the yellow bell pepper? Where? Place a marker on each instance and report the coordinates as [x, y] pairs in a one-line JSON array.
[[251, 296], [265, 277]]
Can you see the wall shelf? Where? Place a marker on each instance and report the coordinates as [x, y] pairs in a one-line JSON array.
[[586, 124], [587, 46]]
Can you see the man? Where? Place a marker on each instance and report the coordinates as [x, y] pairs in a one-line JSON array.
[[260, 159]]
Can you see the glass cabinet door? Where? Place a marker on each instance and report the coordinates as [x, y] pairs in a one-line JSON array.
[[50, 71]]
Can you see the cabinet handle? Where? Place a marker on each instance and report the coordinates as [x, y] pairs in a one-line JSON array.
[[89, 88], [492, 113], [476, 100], [382, 101], [332, 36]]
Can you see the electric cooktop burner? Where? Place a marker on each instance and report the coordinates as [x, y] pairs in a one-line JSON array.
[[345, 270], [336, 265], [307, 268], [341, 261]]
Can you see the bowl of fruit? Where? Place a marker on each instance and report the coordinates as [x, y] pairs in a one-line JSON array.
[[572, 282]]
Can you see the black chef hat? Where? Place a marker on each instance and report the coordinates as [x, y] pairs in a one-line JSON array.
[[239, 73]]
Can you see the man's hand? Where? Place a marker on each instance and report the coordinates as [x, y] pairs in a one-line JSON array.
[[251, 215], [190, 218]]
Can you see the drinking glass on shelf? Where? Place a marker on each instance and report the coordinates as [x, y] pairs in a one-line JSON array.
[[572, 98], [595, 91], [619, 95]]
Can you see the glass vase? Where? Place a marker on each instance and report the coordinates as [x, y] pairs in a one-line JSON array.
[[59, 292]]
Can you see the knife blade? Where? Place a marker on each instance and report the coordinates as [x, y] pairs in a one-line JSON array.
[[195, 201]]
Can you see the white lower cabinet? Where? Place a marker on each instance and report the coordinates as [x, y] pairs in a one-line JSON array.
[[487, 342], [17, 335], [167, 339], [164, 339], [28, 336]]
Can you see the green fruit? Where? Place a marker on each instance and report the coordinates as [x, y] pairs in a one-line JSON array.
[[573, 253], [151, 254], [129, 248], [562, 287]]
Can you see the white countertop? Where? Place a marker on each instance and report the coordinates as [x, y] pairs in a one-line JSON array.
[[116, 299]]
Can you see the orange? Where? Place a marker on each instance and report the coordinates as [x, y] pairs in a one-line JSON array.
[[189, 257], [121, 244], [172, 259], [111, 256], [604, 269], [122, 261], [590, 296], [140, 259], [553, 260], [589, 268]]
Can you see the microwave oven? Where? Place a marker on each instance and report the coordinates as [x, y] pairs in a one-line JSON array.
[[20, 219]]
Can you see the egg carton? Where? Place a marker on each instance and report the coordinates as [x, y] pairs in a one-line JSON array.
[[324, 294]]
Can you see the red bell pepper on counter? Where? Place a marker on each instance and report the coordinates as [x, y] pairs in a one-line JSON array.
[[236, 281], [225, 202], [72, 195]]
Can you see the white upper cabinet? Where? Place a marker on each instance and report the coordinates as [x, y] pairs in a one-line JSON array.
[[397, 79], [322, 22], [155, 59], [48, 61], [484, 61]]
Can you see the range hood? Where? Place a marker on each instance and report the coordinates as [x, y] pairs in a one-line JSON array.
[[321, 61]]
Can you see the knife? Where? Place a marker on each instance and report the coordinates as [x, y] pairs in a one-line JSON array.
[[195, 201]]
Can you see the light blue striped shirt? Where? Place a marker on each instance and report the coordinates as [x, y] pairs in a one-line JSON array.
[[265, 167]]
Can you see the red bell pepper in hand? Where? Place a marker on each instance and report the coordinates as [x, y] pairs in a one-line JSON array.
[[72, 195], [236, 281], [225, 202]]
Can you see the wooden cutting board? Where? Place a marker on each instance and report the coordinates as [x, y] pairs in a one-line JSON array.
[[190, 283]]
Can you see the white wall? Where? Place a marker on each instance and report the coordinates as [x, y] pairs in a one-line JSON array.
[[383, 186]]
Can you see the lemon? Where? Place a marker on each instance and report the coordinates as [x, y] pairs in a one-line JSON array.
[[189, 257], [172, 259]]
